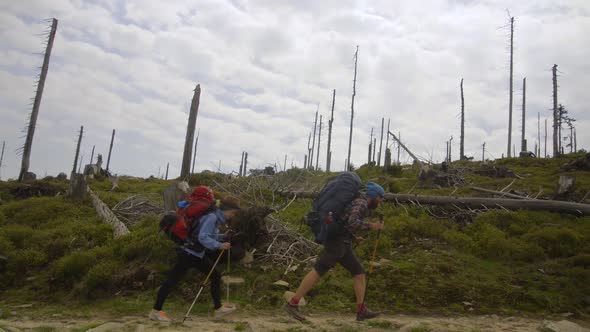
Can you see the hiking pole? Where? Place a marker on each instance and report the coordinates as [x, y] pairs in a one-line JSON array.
[[203, 285], [372, 261], [228, 257]]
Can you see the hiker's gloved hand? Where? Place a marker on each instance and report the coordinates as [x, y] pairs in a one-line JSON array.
[[225, 245], [377, 226]]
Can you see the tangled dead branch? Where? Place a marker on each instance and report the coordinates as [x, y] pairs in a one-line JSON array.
[[133, 208]]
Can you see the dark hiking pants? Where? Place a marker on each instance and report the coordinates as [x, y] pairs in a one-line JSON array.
[[185, 262]]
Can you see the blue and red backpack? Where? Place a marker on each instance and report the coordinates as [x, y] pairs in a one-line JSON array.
[[190, 210]]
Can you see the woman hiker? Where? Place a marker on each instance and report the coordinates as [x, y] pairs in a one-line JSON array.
[[205, 237]]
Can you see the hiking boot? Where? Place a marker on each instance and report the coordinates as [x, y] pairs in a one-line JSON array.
[[224, 310], [159, 315], [366, 314], [293, 311]]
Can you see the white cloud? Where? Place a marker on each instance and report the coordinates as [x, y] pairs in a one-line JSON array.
[[264, 66]]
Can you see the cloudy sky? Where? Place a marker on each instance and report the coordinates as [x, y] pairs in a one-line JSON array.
[[264, 66]]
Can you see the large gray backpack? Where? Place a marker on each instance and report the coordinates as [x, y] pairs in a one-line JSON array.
[[329, 205]]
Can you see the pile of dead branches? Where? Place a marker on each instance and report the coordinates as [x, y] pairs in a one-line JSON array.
[[287, 247], [494, 171], [133, 208], [578, 164], [431, 178]]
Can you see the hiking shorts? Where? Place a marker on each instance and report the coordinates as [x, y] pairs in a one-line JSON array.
[[338, 251]]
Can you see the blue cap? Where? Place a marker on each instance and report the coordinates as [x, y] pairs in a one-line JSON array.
[[374, 190]]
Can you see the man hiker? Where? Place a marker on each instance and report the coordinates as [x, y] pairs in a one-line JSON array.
[[205, 237], [338, 249]]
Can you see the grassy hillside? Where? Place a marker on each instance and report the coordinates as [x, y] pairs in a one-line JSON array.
[[59, 253]]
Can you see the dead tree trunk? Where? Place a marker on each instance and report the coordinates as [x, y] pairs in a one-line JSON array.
[[77, 189], [483, 152], [108, 217], [246, 164], [356, 54], [2, 158], [92, 155], [317, 159], [370, 147], [416, 160], [399, 134], [173, 194], [538, 152], [167, 167], [285, 164], [374, 148], [37, 103], [308, 164], [477, 202], [523, 147], [555, 146], [77, 150], [381, 142], [305, 162], [195, 152], [110, 150], [387, 161], [190, 133], [510, 92], [315, 124], [329, 153], [370, 150], [545, 154], [241, 165], [560, 113], [462, 147], [387, 164]]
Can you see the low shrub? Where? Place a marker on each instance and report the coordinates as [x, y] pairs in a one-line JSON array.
[[556, 241]]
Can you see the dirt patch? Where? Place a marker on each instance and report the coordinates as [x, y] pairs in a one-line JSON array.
[[278, 321]]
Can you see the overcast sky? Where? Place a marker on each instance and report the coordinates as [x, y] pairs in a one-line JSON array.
[[264, 66]]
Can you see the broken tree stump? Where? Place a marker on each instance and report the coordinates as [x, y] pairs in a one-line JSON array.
[[77, 188], [173, 194], [566, 185]]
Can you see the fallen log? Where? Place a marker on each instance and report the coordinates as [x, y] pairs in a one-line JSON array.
[[478, 202], [108, 217], [500, 193]]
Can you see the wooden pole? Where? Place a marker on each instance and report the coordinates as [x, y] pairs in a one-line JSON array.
[[352, 107], [329, 153], [77, 151], [523, 147], [462, 147], [195, 152], [110, 150], [190, 133], [37, 103], [381, 142], [315, 124], [510, 92], [317, 159], [555, 146]]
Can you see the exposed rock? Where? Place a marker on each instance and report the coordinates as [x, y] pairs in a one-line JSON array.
[[107, 327], [281, 283], [232, 280], [562, 326]]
